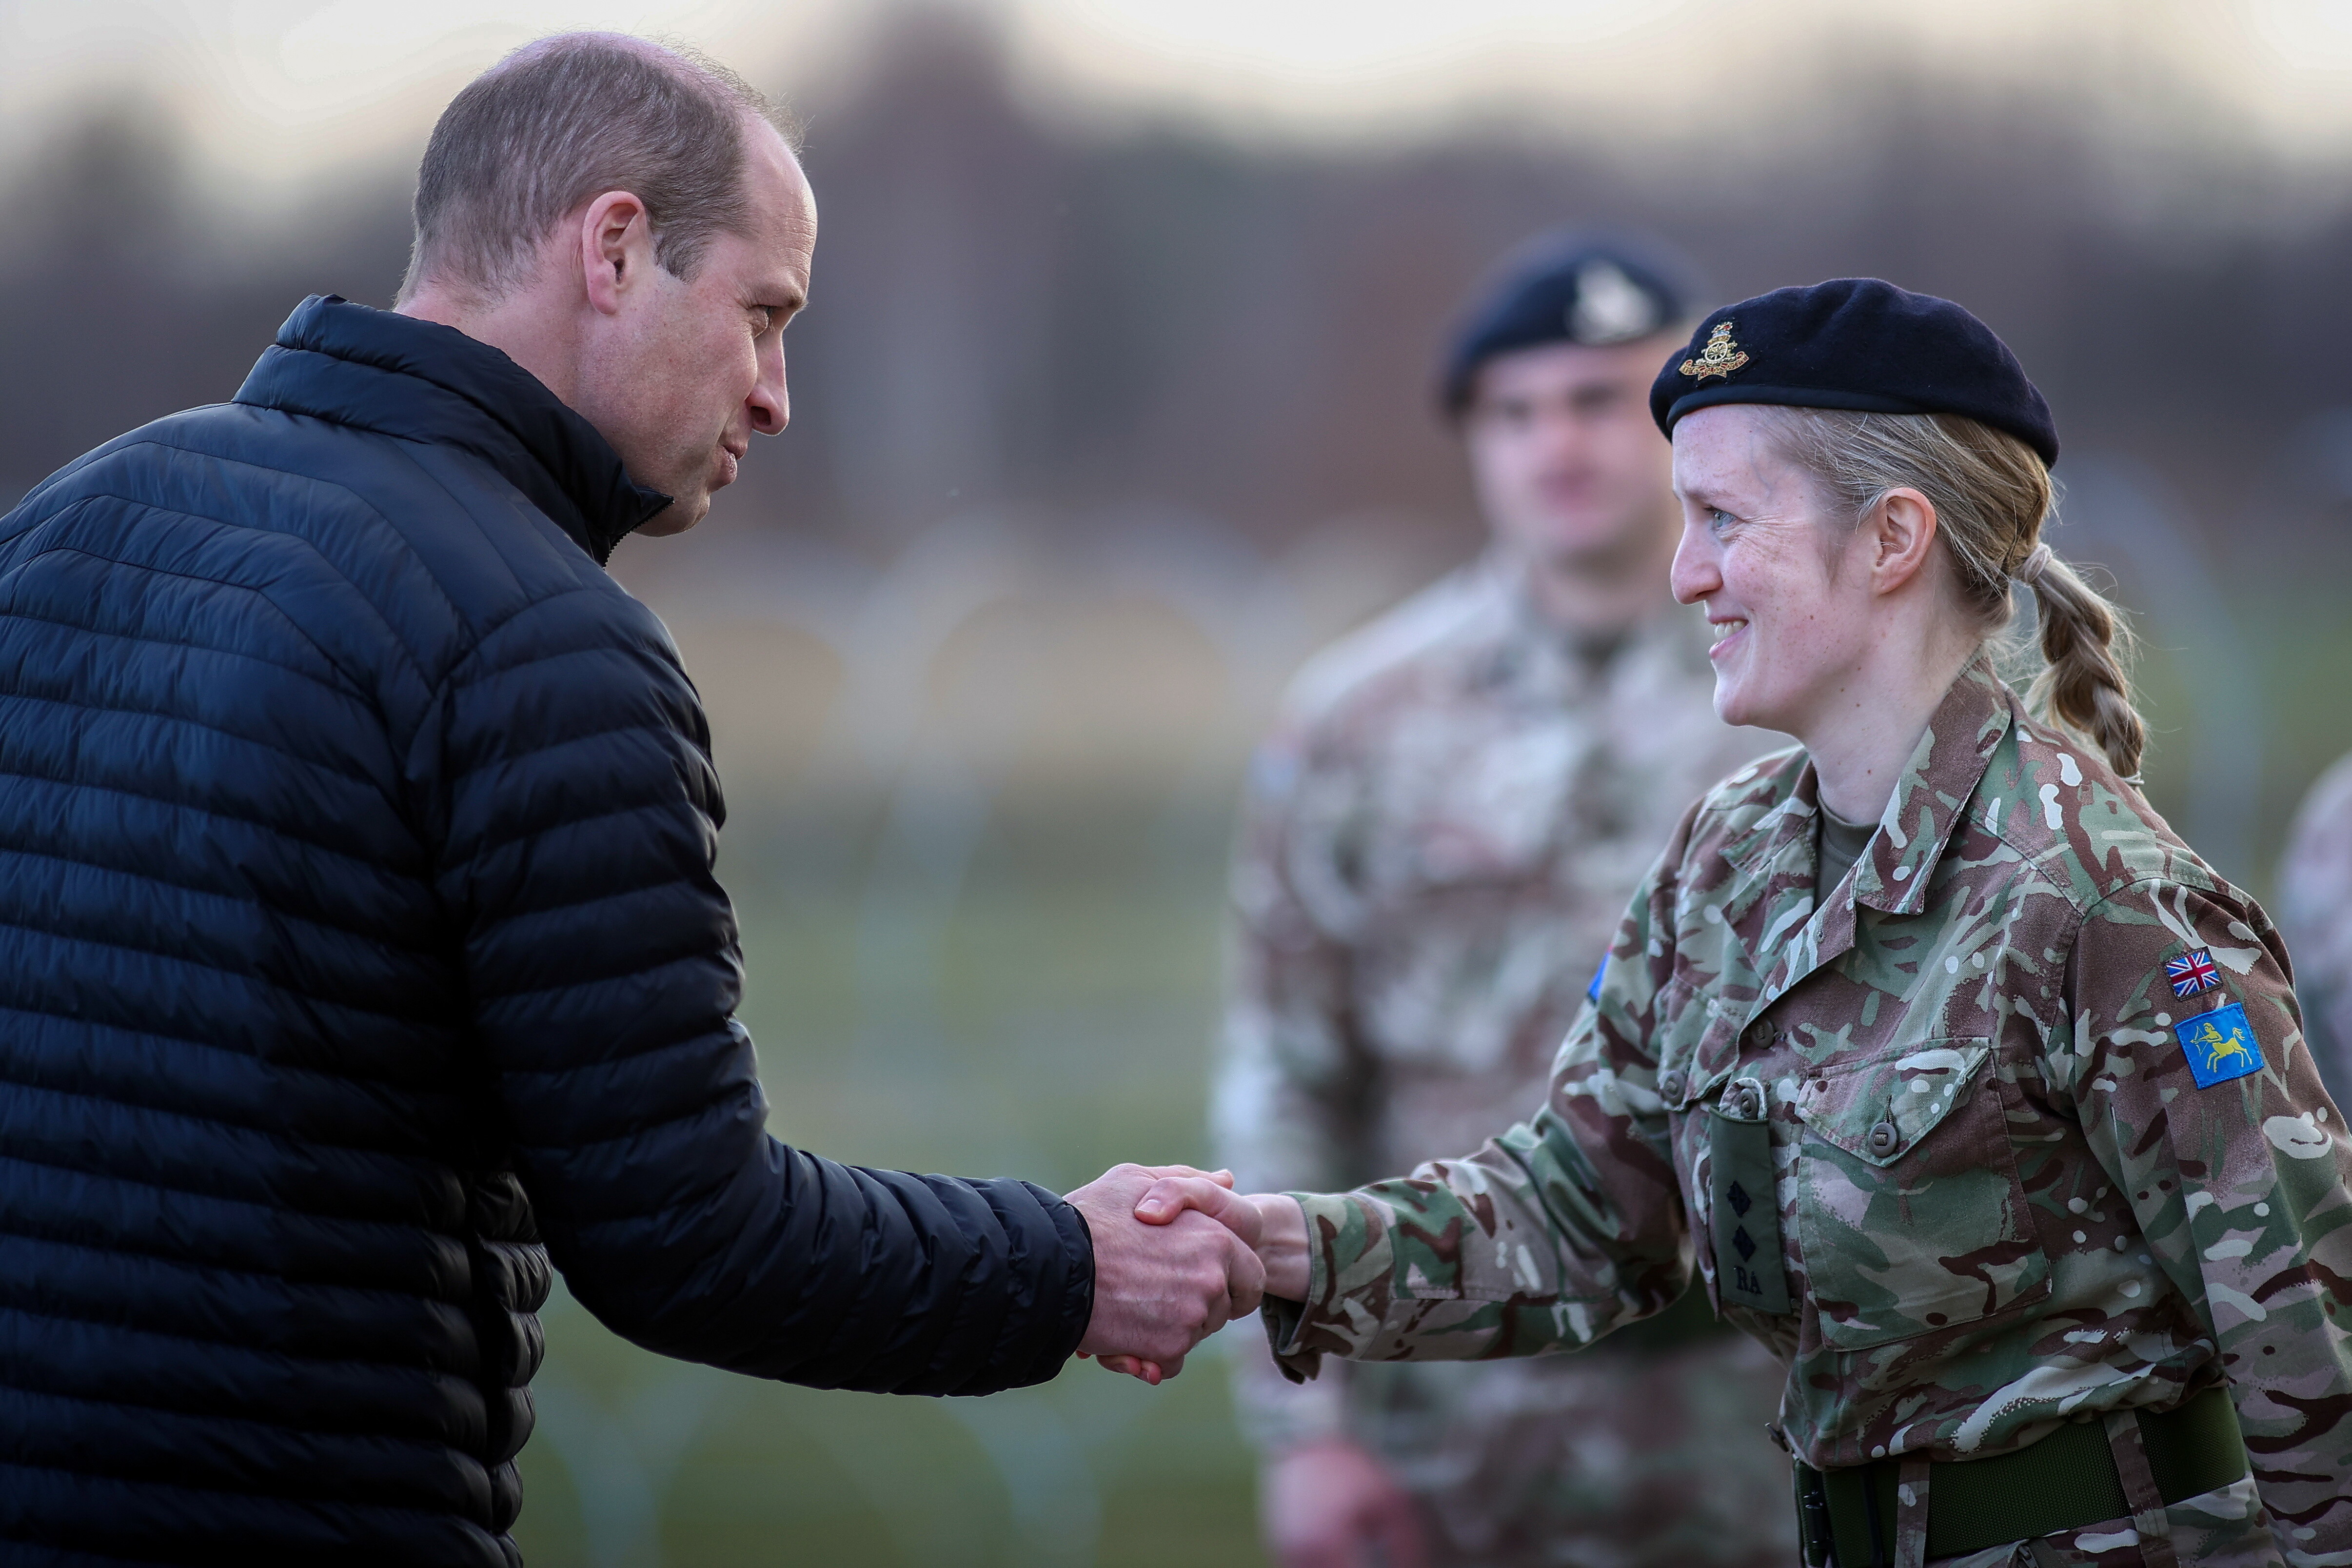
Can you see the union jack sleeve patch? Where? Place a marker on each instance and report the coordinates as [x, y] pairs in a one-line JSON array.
[[2191, 973]]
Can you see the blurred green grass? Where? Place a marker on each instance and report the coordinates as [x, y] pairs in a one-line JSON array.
[[1036, 1026]]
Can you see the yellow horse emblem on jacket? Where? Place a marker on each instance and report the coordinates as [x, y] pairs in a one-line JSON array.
[[2220, 1048]]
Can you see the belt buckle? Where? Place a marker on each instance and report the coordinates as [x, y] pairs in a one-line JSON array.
[[1815, 1543]]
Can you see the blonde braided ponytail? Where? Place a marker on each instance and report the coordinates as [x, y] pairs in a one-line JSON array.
[[1991, 494]]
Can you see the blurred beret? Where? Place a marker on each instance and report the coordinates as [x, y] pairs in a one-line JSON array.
[[1857, 343], [1571, 286]]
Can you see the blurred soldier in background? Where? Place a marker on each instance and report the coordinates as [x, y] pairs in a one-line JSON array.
[[1441, 837], [2315, 913]]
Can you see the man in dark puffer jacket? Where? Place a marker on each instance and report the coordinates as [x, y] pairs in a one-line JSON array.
[[362, 948]]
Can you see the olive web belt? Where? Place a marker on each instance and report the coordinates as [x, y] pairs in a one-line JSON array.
[[2066, 1480]]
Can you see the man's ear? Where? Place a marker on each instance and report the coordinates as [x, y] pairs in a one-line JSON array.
[[616, 249], [1902, 529]]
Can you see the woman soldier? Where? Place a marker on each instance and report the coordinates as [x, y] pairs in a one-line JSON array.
[[1976, 1095]]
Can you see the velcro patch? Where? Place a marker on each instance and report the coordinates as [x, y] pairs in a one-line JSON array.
[[2191, 973], [2221, 1045]]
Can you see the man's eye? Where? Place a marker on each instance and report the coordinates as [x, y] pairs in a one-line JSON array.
[[1718, 518], [762, 318]]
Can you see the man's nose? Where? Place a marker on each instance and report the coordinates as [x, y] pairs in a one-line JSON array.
[[1564, 434], [770, 403], [1695, 575]]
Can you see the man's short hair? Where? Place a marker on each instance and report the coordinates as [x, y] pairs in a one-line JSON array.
[[560, 121]]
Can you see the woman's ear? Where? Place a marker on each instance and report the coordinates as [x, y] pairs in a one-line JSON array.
[[1901, 529]]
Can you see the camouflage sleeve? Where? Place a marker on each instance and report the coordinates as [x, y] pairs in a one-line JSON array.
[[2186, 1061], [1554, 1233], [2314, 911], [1283, 1109]]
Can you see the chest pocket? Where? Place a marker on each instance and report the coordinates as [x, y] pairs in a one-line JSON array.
[[1698, 1042], [1472, 804], [1910, 1214]]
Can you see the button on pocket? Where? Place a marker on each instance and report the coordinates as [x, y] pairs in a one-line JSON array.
[[1910, 1214], [1698, 1043]]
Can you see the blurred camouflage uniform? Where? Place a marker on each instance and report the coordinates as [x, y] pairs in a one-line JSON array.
[[2003, 1198], [2316, 914], [1442, 833]]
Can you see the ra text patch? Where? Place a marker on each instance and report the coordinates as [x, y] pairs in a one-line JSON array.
[[2221, 1045], [2191, 973]]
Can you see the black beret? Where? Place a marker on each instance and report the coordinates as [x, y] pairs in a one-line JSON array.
[[1574, 286], [1859, 343]]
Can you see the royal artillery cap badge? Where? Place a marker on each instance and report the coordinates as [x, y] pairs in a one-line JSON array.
[[1721, 356]]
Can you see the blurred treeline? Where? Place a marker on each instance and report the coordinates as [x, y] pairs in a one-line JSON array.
[[1100, 423], [1069, 331]]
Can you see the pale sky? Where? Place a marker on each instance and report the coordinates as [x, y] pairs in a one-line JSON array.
[[278, 88]]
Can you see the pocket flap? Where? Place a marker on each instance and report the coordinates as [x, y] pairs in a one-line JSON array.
[[1878, 1110], [1701, 1051]]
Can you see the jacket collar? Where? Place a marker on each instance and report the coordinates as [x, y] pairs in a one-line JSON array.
[[1768, 905], [1929, 799], [420, 380], [1540, 658]]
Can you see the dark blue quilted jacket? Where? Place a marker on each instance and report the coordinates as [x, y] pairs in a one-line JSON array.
[[361, 955]]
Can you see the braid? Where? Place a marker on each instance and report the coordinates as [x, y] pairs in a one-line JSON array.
[[2083, 686], [1991, 495]]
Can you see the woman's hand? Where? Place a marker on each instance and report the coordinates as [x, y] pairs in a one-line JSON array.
[[1272, 1223]]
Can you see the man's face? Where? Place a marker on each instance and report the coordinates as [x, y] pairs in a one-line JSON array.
[[1567, 465], [689, 369]]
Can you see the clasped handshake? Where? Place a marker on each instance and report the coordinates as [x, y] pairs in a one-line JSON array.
[[1179, 1254]]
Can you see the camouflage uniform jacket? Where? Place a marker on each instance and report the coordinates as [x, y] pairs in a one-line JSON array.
[[2315, 913], [2002, 1197], [1441, 832]]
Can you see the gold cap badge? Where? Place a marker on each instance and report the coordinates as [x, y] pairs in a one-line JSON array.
[[1721, 356]]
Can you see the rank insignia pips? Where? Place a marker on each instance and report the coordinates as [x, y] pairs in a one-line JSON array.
[[2191, 973], [1721, 356]]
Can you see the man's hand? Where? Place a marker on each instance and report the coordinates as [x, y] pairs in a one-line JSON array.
[[1162, 1287], [1328, 1504], [1272, 1224]]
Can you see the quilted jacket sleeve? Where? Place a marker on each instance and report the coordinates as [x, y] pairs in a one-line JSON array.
[[578, 810]]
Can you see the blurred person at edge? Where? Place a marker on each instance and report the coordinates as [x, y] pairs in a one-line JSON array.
[[2316, 916], [363, 954], [1442, 834]]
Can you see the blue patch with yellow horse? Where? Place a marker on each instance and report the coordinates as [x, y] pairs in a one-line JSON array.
[[2221, 1045]]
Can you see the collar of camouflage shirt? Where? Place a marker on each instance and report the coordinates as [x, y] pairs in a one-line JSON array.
[[1773, 894], [1551, 661]]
